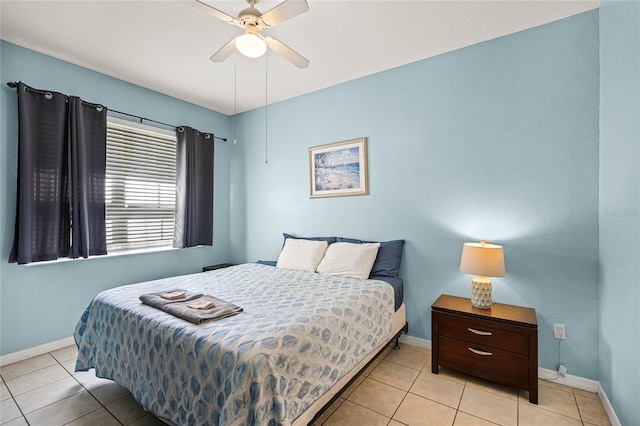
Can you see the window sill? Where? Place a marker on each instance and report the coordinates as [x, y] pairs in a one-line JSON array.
[[106, 256]]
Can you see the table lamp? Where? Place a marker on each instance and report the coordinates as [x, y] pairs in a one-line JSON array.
[[484, 260]]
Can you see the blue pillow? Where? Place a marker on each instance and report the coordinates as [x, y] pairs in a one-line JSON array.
[[388, 259], [330, 240]]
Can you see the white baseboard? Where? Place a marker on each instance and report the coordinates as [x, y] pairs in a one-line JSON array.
[[577, 382], [608, 408], [415, 341], [35, 351]]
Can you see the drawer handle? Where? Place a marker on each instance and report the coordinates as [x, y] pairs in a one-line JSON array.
[[479, 332], [483, 353]]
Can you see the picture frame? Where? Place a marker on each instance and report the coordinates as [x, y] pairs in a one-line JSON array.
[[338, 169]]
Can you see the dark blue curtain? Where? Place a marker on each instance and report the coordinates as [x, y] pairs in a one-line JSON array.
[[61, 168], [194, 188], [87, 170]]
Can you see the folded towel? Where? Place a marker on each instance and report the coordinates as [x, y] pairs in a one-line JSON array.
[[205, 307], [220, 309], [201, 304], [173, 295], [158, 301]]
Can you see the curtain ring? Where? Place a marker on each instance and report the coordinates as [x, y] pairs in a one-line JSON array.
[[207, 136], [181, 129], [99, 108], [48, 95]]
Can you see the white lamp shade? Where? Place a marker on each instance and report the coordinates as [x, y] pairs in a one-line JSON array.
[[251, 45], [482, 259]]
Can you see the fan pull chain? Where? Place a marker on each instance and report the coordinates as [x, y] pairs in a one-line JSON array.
[[235, 102], [266, 105]]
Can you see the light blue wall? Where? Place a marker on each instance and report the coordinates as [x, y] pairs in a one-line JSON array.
[[42, 303], [496, 141], [619, 365]]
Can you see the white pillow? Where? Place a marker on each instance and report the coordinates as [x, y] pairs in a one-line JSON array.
[[301, 255], [349, 260]]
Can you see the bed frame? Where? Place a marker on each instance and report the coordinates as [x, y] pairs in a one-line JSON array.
[[112, 370]]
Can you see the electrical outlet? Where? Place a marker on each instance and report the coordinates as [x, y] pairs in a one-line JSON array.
[[559, 331]]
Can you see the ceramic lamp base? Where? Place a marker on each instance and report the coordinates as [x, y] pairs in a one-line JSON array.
[[481, 293]]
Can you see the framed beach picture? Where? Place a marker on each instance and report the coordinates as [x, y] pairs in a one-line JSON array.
[[338, 169]]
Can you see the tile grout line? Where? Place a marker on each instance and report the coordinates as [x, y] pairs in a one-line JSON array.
[[24, 416], [464, 388], [13, 398], [368, 377], [30, 371], [408, 390], [518, 405], [575, 400], [92, 396], [457, 409], [538, 407], [459, 402], [480, 389], [396, 410], [59, 363]]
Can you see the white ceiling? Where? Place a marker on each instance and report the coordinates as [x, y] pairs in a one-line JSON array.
[[166, 45]]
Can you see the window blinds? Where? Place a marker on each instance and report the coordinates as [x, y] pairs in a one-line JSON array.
[[140, 187]]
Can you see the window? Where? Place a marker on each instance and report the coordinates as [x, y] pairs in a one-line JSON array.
[[140, 186]]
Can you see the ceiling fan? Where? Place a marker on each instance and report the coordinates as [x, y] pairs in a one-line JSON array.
[[252, 43]]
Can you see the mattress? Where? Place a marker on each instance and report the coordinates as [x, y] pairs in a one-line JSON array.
[[299, 335]]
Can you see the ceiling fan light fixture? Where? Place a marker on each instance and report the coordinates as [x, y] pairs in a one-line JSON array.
[[251, 45]]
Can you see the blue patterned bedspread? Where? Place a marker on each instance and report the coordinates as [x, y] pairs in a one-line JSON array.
[[298, 335]]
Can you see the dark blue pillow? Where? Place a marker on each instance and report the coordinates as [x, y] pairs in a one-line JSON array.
[[388, 259], [330, 240]]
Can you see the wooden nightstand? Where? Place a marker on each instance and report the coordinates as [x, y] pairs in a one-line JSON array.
[[218, 266], [498, 344]]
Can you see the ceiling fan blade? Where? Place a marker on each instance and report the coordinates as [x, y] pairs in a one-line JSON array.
[[285, 10], [286, 52], [225, 51], [214, 12]]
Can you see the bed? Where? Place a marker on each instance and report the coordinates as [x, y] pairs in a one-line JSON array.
[[300, 339]]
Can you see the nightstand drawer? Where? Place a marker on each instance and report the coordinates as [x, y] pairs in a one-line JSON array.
[[479, 358], [483, 332]]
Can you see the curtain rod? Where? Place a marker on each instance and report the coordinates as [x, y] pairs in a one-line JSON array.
[[14, 85]]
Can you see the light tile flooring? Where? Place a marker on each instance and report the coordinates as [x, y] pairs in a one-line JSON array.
[[397, 389]]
